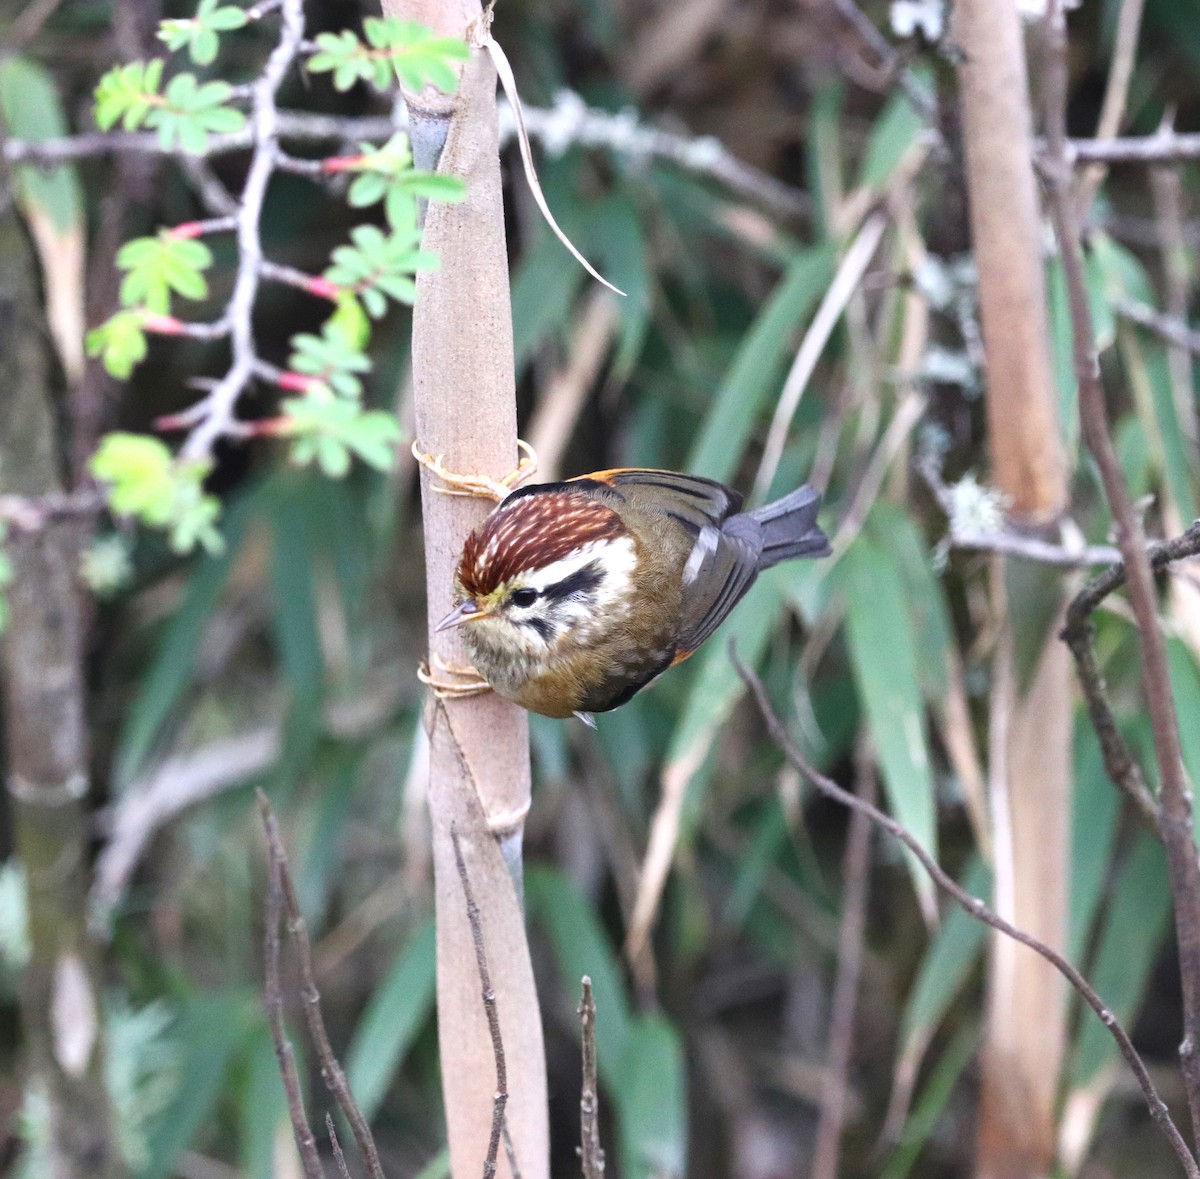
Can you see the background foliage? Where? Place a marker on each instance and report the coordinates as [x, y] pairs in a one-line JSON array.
[[284, 657]]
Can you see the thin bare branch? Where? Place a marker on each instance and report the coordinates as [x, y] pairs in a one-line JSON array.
[[264, 124], [978, 909], [590, 1153], [489, 1007], [856, 873], [331, 1070], [32, 513], [1078, 634], [1166, 188], [1116, 95], [306, 1142], [1170, 328], [339, 1157], [923, 101], [569, 122], [1161, 147], [187, 779], [1175, 801], [1014, 544]]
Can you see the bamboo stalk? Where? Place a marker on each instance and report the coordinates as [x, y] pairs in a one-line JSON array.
[[1030, 737], [463, 381]]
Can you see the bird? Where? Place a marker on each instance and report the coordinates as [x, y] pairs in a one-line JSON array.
[[572, 596]]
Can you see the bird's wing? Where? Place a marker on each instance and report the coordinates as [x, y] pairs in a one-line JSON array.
[[720, 570], [724, 558], [696, 500]]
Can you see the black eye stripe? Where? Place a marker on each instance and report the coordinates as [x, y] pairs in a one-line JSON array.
[[540, 626], [580, 582]]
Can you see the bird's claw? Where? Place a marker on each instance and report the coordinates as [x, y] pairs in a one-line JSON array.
[[450, 681], [480, 486]]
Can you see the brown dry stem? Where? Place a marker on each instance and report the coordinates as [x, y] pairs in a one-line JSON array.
[[977, 909], [282, 900], [590, 1154], [1175, 803]]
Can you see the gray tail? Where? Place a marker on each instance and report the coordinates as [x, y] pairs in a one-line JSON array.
[[789, 528]]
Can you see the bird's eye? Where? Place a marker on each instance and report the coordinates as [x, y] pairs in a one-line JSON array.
[[523, 597]]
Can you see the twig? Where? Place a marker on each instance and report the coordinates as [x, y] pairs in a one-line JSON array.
[[1134, 149], [1159, 555], [1166, 188], [1173, 330], [306, 1143], [569, 122], [338, 1156], [1078, 633], [185, 780], [590, 1153], [856, 867], [1116, 95], [489, 1007], [29, 514], [1013, 544], [331, 1071], [978, 909], [510, 1151], [264, 123], [1175, 803], [890, 61], [849, 274]]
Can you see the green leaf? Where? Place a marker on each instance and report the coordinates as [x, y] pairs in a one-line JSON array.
[[945, 967], [1185, 684], [1062, 345], [199, 34], [936, 1094], [120, 342], [261, 1105], [147, 482], [581, 947], [171, 671], [543, 292], [717, 685], [294, 614], [328, 429], [375, 266], [892, 136], [400, 1006], [651, 1102], [756, 368], [1130, 939], [31, 109], [157, 266], [1095, 811], [1148, 374], [128, 93], [883, 653], [925, 599], [210, 1029], [395, 48]]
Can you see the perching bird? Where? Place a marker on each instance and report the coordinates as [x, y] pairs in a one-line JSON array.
[[573, 596]]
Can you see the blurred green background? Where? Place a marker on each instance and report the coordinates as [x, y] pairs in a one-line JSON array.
[[289, 662]]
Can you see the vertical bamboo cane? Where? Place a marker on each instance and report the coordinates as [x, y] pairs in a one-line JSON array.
[[464, 386], [1030, 741]]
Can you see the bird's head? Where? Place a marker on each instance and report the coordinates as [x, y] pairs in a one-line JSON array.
[[542, 570]]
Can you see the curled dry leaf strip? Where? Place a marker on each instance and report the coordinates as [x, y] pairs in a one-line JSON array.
[[504, 72]]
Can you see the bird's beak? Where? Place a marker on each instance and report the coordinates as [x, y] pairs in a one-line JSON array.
[[466, 611]]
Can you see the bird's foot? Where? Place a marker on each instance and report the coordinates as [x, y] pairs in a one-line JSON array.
[[451, 681], [480, 486]]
